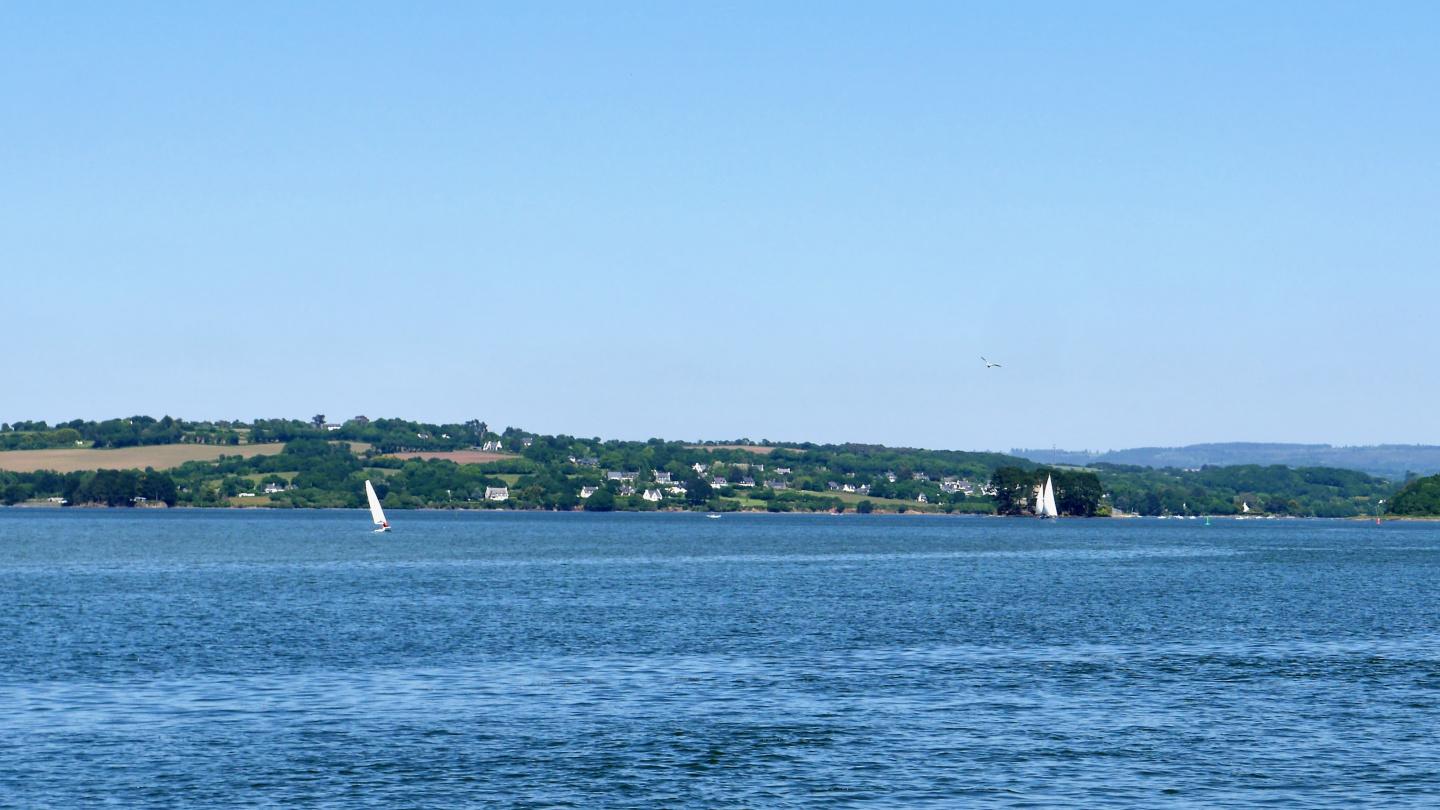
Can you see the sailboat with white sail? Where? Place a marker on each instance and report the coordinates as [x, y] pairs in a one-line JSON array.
[[1045, 501], [376, 513]]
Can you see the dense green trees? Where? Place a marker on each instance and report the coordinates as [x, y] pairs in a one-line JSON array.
[[1419, 498], [121, 488], [132, 432], [387, 435], [317, 468], [1279, 490], [1077, 493], [40, 440], [602, 501]]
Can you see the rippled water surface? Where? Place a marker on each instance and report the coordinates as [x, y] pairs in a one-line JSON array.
[[206, 658]]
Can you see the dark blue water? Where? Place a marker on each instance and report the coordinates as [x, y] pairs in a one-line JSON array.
[[217, 659]]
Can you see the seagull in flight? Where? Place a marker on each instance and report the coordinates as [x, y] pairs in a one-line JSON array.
[[989, 364]]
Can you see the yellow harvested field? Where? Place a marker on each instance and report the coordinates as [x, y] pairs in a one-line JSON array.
[[749, 448], [459, 456], [161, 457]]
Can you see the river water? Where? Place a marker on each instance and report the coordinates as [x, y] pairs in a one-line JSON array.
[[155, 658]]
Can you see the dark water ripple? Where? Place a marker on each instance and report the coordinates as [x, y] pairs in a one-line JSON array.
[[225, 659]]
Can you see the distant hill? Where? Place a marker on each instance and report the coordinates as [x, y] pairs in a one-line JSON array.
[[1391, 461]]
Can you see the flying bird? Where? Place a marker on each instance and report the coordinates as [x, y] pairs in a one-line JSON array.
[[989, 364]]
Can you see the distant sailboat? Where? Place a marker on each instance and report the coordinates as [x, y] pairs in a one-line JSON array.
[[376, 513], [1045, 506]]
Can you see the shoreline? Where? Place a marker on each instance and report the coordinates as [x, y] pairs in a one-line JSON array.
[[907, 513]]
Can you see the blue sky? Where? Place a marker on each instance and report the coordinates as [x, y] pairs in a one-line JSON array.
[[1170, 223]]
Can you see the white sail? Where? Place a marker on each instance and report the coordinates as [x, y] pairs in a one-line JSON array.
[[1045, 500], [376, 513]]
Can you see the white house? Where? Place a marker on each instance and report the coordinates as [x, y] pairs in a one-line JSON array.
[[698, 467], [782, 470], [848, 488], [889, 475], [776, 485], [586, 492], [497, 493], [662, 477], [627, 490], [746, 482], [271, 489], [921, 498], [677, 490], [617, 475], [527, 442], [718, 482], [652, 495]]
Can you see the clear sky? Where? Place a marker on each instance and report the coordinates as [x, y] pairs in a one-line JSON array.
[[1170, 223]]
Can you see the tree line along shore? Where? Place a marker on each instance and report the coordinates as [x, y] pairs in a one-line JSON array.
[[320, 464]]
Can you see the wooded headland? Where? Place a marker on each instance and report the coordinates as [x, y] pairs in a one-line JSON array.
[[279, 463]]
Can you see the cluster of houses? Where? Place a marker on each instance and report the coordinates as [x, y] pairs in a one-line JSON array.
[[496, 446], [719, 482], [952, 485], [654, 494], [665, 482]]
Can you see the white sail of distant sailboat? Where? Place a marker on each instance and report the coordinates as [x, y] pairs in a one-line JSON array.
[[376, 513], [1045, 501]]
